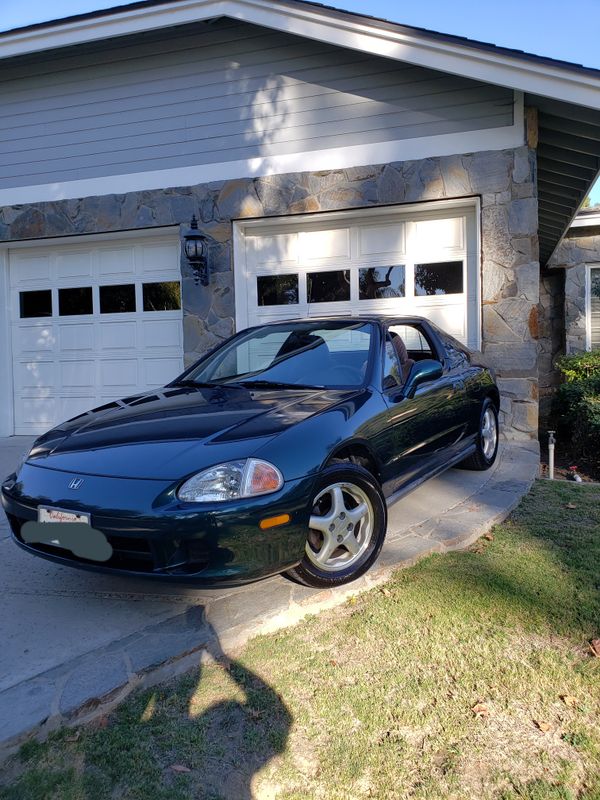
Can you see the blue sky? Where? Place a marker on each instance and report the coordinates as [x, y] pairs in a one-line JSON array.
[[555, 28]]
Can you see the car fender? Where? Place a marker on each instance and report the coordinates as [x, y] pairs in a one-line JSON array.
[[306, 448]]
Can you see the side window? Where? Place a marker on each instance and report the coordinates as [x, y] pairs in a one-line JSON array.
[[392, 372], [417, 345]]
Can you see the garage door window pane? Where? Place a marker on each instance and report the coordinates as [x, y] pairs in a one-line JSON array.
[[35, 304], [75, 301], [117, 299], [328, 287], [277, 290], [164, 296], [379, 283], [444, 277]]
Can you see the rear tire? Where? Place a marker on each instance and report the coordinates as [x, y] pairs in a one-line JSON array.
[[347, 527], [487, 439]]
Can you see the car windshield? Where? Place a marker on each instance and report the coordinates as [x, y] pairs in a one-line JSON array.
[[323, 354]]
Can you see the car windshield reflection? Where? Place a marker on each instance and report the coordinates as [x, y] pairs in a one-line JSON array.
[[299, 355]]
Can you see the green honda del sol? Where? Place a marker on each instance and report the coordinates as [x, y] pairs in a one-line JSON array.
[[278, 451]]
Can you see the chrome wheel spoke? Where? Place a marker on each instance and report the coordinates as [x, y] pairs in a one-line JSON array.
[[338, 505], [351, 544], [357, 514], [321, 524], [326, 549], [342, 525]]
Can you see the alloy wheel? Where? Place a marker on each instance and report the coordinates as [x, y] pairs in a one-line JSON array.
[[489, 433], [341, 527]]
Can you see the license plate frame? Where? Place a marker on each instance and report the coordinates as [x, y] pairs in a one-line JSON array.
[[54, 515]]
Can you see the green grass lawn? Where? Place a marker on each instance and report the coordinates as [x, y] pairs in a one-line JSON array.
[[469, 675]]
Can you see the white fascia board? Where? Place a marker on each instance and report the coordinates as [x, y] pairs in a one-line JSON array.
[[312, 161], [587, 221], [405, 45]]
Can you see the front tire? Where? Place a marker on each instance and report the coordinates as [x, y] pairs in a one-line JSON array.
[[487, 439], [346, 529]]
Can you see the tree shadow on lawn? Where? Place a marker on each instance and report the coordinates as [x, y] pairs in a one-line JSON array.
[[203, 736]]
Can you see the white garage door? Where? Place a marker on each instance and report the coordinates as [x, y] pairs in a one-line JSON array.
[[91, 323], [412, 261]]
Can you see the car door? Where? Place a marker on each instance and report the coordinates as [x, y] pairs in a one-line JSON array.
[[466, 404], [453, 409], [414, 428]]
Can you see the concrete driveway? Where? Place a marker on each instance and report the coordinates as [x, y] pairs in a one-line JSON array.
[[74, 643]]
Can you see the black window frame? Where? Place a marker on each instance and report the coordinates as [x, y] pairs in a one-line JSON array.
[[75, 288], [463, 276], [317, 272], [117, 286], [145, 284], [260, 278], [23, 292]]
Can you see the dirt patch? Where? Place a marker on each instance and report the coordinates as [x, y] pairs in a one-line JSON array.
[[564, 460]]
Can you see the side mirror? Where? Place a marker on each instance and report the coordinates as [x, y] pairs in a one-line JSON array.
[[422, 371]]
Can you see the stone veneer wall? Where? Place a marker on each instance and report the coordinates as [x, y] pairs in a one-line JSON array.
[[572, 256], [505, 180], [551, 336]]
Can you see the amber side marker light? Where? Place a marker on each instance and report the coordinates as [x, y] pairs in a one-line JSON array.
[[272, 522]]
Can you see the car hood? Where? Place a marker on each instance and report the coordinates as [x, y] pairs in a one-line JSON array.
[[169, 433]]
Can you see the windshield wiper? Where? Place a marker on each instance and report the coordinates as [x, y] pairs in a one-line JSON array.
[[263, 384]]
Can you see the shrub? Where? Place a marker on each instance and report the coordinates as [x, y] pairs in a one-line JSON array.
[[579, 367], [577, 403]]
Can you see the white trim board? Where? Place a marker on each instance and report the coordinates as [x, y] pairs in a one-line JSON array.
[[87, 238], [357, 33], [587, 220], [311, 161]]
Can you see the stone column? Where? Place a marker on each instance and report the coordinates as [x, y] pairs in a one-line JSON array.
[[510, 282]]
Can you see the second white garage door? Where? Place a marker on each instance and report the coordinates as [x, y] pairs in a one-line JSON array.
[[420, 260], [92, 323]]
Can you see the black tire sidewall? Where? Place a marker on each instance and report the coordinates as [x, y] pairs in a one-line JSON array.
[[306, 571], [480, 454]]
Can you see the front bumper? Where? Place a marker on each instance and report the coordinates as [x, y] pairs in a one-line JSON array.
[[153, 534]]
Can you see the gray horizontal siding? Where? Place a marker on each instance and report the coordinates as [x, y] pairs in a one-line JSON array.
[[218, 93]]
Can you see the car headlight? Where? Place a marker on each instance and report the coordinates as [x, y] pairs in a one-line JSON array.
[[231, 481]]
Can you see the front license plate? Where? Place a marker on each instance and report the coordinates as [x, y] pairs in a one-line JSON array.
[[46, 514]]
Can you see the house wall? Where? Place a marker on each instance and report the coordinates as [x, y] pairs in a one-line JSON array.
[[572, 256], [504, 180], [551, 335], [220, 92]]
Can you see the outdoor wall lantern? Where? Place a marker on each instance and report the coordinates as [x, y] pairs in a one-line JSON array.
[[196, 251]]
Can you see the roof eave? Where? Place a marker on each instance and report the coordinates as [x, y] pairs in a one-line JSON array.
[[570, 83]]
